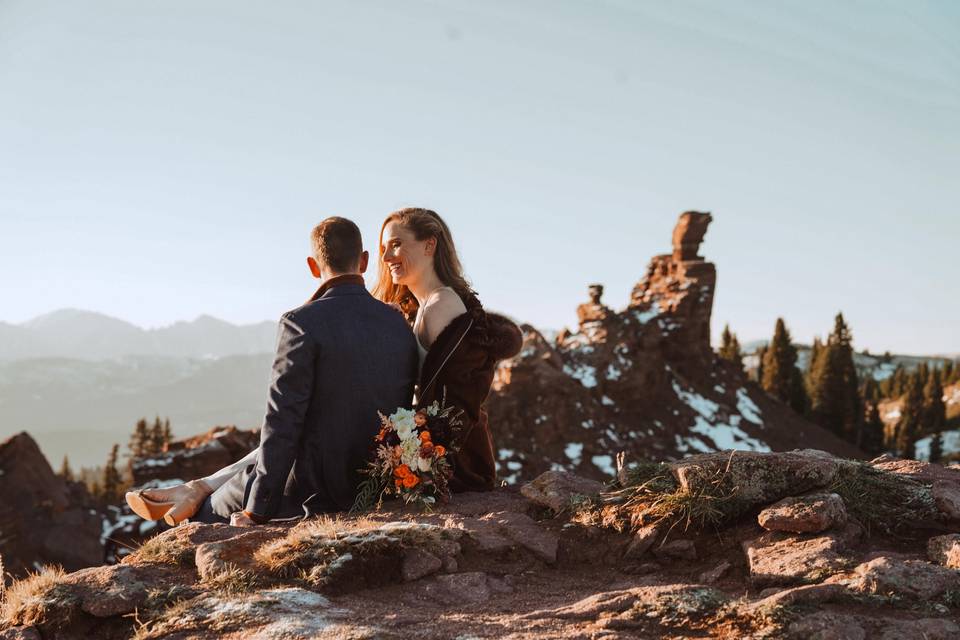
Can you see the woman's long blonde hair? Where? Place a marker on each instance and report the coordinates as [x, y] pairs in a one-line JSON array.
[[424, 224]]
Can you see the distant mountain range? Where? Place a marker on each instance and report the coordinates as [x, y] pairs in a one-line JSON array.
[[78, 380], [86, 335]]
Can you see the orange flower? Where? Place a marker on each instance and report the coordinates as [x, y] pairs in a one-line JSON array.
[[440, 451], [424, 436], [403, 471], [411, 481], [420, 418]]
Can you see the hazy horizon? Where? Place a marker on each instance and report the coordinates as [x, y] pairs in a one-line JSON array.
[[163, 161]]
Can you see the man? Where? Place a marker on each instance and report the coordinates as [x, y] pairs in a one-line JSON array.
[[341, 358]]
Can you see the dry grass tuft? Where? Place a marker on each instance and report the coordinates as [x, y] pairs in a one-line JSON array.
[[166, 549], [234, 581], [651, 496], [883, 500], [40, 598]]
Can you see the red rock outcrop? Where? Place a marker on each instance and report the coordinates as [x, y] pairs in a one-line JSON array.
[[197, 456], [643, 380], [43, 519]]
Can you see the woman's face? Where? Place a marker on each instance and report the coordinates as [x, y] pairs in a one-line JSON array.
[[408, 258]]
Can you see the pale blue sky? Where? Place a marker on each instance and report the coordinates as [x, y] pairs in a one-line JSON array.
[[159, 160]]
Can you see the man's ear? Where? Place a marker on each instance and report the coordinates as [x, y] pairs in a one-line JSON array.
[[364, 260], [314, 267]]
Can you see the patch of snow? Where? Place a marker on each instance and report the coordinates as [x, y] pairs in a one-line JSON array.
[[612, 372], [514, 466], [726, 436], [573, 451], [719, 388], [747, 407], [586, 374], [607, 402], [604, 463], [643, 317], [587, 424], [505, 453], [703, 406]]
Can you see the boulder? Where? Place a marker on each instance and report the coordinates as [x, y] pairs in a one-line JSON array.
[[556, 489], [811, 513], [418, 563], [753, 478], [43, 519], [945, 550], [946, 495], [913, 579], [777, 558], [677, 550], [641, 542]]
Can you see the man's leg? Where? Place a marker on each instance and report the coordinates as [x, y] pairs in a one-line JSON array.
[[228, 499]]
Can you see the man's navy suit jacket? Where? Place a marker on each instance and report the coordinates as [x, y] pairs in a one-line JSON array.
[[341, 358]]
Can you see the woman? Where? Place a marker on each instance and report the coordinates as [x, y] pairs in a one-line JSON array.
[[460, 344]]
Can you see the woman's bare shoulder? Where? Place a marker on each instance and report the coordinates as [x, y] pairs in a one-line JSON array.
[[443, 307]]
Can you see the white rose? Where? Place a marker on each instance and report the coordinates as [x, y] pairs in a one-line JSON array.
[[423, 464], [404, 423], [410, 453]]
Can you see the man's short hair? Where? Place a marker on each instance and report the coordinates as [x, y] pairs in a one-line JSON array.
[[337, 244]]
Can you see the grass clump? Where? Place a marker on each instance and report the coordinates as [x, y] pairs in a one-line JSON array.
[[883, 500], [39, 598], [166, 549], [233, 581], [650, 495]]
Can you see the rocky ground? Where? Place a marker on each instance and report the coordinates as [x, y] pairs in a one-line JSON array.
[[725, 545]]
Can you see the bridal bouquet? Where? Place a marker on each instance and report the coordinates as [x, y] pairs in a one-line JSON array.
[[409, 461]]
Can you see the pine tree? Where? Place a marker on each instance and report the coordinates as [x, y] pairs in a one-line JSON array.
[[65, 471], [139, 440], [871, 390], [911, 415], [156, 437], [898, 382], [167, 434], [781, 378], [761, 354], [111, 477], [934, 410], [815, 352], [936, 447], [872, 442], [834, 394], [947, 377], [730, 347]]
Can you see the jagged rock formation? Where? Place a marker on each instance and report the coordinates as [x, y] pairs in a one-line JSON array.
[[43, 520], [549, 561], [642, 380]]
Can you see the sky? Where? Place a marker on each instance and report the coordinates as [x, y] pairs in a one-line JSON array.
[[162, 160]]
